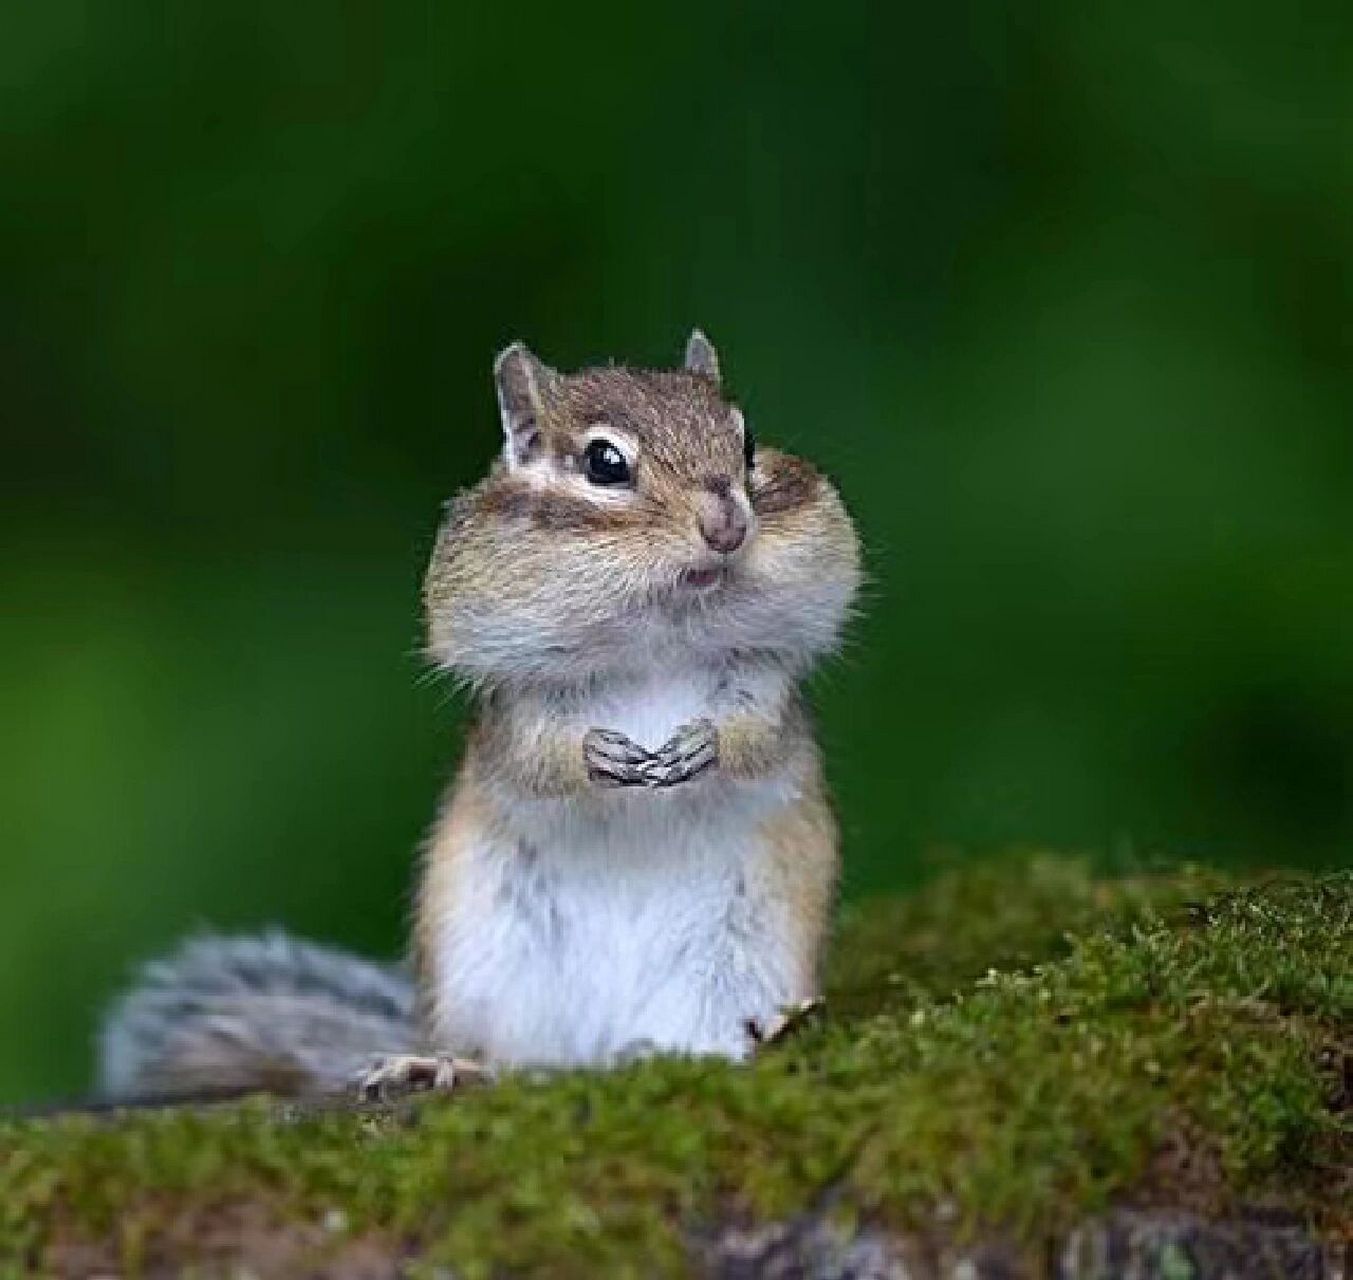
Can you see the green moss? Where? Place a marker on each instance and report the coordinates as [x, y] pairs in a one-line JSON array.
[[1015, 1046]]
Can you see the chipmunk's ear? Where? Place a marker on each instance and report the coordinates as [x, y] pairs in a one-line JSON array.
[[701, 356], [521, 380]]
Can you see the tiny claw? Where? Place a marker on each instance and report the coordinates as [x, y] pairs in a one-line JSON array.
[[786, 1022]]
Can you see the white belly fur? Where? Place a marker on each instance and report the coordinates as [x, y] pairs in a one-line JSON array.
[[579, 938], [651, 711], [582, 931]]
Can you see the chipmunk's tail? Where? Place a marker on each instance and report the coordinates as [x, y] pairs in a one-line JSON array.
[[225, 1016]]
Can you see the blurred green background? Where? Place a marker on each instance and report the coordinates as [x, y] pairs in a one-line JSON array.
[[1060, 292]]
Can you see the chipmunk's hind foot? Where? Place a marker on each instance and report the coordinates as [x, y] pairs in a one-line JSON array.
[[399, 1075], [788, 1022]]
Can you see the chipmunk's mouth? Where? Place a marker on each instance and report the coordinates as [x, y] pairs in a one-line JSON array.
[[703, 579]]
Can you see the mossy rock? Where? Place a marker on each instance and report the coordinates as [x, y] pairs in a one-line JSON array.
[[1023, 1069]]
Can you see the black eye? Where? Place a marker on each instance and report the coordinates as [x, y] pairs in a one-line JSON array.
[[603, 463], [748, 445]]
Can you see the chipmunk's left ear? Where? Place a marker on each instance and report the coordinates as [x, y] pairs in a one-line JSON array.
[[521, 379], [701, 357]]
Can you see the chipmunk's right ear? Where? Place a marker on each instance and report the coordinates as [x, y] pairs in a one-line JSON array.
[[701, 357], [521, 380]]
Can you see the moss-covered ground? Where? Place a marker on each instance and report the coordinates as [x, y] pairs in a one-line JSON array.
[[1015, 1047]]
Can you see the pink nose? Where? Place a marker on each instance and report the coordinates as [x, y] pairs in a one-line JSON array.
[[723, 522]]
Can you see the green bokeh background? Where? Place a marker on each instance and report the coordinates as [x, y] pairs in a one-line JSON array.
[[1060, 292]]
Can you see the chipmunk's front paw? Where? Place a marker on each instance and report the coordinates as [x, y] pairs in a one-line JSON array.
[[788, 1021], [690, 751], [402, 1074], [613, 760]]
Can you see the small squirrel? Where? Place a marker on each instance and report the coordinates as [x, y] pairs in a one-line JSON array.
[[637, 853]]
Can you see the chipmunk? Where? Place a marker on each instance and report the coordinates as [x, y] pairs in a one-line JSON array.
[[637, 853]]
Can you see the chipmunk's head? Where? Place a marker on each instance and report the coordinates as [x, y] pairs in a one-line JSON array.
[[631, 517]]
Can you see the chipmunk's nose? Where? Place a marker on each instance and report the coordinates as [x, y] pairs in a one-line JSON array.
[[724, 518]]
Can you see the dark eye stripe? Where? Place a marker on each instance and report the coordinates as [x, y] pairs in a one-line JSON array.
[[552, 512]]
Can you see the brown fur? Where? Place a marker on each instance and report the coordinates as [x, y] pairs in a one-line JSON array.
[[754, 745], [524, 754], [517, 502], [464, 813], [784, 485], [800, 872]]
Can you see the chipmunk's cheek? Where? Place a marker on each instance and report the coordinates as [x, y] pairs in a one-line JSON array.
[[770, 565]]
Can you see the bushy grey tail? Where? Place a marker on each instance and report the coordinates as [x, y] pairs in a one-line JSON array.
[[224, 1016]]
